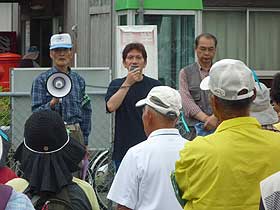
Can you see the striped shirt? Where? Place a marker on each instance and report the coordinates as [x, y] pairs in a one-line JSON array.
[[72, 109]]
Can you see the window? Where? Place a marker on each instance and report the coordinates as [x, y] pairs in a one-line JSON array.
[[248, 35], [264, 40], [176, 34], [230, 29], [122, 20]]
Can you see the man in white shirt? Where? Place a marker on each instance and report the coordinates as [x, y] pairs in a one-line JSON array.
[[143, 179]]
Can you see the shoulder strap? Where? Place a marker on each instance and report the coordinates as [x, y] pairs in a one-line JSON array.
[[61, 197], [5, 192]]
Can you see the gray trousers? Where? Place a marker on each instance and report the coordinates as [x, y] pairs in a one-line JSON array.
[[76, 132]]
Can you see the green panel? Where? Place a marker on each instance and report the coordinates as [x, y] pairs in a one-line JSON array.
[[160, 4]]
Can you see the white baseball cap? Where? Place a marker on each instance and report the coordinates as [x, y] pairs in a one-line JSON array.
[[163, 99], [60, 41], [227, 78], [261, 107]]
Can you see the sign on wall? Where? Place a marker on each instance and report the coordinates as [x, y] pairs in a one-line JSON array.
[[145, 34]]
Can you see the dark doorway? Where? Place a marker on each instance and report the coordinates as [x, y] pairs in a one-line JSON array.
[[40, 33]]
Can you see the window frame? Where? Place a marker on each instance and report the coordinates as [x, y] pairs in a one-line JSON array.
[[262, 73]]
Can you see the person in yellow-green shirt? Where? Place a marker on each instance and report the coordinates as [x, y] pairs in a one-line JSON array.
[[275, 96], [222, 171]]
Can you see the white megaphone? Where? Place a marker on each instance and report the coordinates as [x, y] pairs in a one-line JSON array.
[[59, 85]]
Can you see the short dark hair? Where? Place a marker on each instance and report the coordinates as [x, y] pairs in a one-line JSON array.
[[170, 116], [134, 46], [205, 35], [275, 88], [235, 105]]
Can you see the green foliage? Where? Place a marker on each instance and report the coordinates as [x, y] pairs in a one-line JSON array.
[[5, 117]]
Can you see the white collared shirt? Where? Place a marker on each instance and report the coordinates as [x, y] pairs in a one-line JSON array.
[[143, 178]]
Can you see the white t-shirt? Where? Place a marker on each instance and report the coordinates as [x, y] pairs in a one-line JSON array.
[[270, 192], [143, 178]]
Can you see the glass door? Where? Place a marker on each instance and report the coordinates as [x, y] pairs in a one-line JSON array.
[[176, 30], [176, 34]]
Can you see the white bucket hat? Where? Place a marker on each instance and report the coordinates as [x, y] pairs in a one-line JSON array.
[[163, 99], [261, 107], [227, 78]]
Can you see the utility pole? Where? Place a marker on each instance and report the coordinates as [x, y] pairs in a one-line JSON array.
[[141, 12], [75, 31]]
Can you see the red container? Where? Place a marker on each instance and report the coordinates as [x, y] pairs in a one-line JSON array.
[[7, 61]]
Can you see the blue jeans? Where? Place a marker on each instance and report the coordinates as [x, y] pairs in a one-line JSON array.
[[117, 164]]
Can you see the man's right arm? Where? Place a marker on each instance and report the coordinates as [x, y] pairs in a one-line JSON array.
[[201, 116], [116, 100], [38, 94], [191, 109]]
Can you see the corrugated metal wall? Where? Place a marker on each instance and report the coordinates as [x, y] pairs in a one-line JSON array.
[[100, 33], [94, 45], [94, 26]]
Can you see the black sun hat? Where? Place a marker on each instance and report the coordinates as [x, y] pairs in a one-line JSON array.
[[44, 132], [48, 156]]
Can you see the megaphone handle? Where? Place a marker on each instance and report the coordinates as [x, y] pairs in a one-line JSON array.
[[60, 107]]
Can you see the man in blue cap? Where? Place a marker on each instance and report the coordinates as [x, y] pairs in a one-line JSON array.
[[75, 107], [29, 59]]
